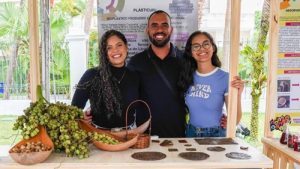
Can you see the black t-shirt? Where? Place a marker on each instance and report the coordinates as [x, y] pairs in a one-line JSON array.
[[168, 113], [129, 88]]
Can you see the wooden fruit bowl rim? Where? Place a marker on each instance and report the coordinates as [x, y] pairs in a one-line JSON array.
[[124, 142], [123, 145], [33, 157]]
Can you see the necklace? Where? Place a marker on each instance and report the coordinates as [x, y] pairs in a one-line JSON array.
[[120, 80]]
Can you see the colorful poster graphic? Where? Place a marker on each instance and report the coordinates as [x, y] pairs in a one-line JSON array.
[[288, 75], [130, 17]]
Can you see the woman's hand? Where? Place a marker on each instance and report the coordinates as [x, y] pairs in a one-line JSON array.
[[223, 121], [87, 116], [238, 83]]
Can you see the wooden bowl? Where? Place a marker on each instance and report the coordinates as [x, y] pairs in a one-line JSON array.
[[33, 157], [122, 145], [124, 142], [122, 134]]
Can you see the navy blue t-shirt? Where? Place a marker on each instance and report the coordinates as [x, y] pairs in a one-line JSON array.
[[168, 113]]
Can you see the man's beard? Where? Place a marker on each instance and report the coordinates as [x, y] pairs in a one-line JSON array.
[[161, 43]]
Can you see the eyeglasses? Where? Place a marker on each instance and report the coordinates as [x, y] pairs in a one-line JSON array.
[[197, 46]]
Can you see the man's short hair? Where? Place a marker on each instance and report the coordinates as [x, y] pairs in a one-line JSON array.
[[158, 12]]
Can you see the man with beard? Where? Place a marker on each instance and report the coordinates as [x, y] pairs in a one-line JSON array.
[[158, 68]]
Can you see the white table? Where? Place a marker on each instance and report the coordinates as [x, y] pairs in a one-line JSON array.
[[123, 159]]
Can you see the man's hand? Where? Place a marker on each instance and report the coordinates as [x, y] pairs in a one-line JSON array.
[[223, 121], [87, 116]]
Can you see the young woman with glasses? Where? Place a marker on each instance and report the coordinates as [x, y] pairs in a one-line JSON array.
[[204, 87]]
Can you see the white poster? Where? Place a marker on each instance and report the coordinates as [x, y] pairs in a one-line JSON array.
[[288, 75], [130, 17]]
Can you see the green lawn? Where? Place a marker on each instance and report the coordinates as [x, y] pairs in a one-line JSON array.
[[7, 135]]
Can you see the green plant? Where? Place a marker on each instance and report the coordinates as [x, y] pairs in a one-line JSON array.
[[258, 81], [61, 122], [93, 50], [72, 7], [13, 34], [61, 16], [14, 31], [258, 71]]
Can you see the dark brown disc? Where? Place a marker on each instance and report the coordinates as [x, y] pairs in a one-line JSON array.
[[215, 141], [166, 143], [190, 149], [155, 141], [148, 156], [238, 156], [216, 148], [194, 156], [188, 145], [244, 148], [172, 149], [182, 141]]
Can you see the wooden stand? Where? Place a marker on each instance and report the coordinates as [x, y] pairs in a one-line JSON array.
[[283, 156]]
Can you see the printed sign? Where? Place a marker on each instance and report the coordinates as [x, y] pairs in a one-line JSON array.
[[288, 75], [130, 17]]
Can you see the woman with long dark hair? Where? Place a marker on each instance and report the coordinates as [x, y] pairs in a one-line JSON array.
[[204, 86], [110, 87]]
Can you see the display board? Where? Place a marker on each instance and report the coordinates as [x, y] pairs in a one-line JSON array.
[[130, 17], [288, 67]]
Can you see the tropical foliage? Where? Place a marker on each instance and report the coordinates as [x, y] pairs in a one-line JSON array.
[[258, 71], [15, 44], [93, 60], [14, 39]]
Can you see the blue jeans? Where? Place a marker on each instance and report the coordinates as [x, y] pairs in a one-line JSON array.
[[192, 131]]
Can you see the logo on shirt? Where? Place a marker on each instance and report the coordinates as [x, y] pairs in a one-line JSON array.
[[201, 91]]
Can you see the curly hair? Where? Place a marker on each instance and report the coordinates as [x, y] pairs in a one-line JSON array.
[[189, 64], [105, 95]]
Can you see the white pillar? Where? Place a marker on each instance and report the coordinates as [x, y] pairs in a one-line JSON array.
[[78, 49]]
